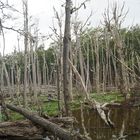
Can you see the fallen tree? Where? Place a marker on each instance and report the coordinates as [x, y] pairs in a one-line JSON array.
[[20, 129], [49, 126], [63, 120]]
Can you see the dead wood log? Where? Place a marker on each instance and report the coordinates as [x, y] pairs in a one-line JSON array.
[[53, 128], [15, 123], [65, 120], [20, 129]]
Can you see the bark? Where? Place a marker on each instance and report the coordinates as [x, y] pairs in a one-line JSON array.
[[87, 69], [63, 120], [58, 86], [20, 129], [80, 78], [33, 61], [7, 79], [44, 70], [81, 61], [17, 91], [70, 77], [97, 64], [66, 46], [38, 72], [26, 51]]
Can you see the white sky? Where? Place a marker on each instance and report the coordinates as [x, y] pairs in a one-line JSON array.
[[43, 10]]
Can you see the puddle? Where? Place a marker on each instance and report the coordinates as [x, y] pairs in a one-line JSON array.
[[126, 120]]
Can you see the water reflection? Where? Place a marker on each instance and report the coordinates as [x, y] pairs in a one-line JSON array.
[[126, 120]]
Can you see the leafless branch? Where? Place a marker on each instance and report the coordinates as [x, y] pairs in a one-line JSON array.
[[86, 21], [77, 8], [21, 32], [116, 18], [6, 5]]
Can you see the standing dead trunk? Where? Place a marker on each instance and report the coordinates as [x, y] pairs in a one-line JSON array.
[[7, 79], [38, 72], [33, 61], [81, 61], [25, 8], [58, 86], [66, 46], [18, 72], [12, 78], [70, 79], [97, 64], [113, 25], [44, 69]]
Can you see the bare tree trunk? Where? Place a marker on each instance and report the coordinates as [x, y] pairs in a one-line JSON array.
[[44, 69], [7, 79], [33, 61], [87, 69], [38, 72], [58, 86], [18, 72], [70, 79], [12, 78], [25, 8], [81, 80], [97, 64], [66, 46], [81, 64]]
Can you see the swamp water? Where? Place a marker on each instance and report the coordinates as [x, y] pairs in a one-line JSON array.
[[126, 120]]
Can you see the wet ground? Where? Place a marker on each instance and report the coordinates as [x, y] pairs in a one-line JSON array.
[[126, 120]]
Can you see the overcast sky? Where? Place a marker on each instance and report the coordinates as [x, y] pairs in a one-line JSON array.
[[43, 11]]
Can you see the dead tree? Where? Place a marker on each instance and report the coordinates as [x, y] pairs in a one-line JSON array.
[[3, 67], [25, 8], [113, 24], [66, 46]]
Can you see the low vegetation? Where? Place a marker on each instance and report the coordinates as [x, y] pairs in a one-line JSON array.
[[50, 108]]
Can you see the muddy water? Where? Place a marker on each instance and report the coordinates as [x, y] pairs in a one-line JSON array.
[[126, 120]]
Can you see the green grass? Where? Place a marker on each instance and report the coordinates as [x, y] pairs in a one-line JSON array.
[[107, 97], [75, 104], [50, 108], [1, 117], [16, 116], [13, 116]]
